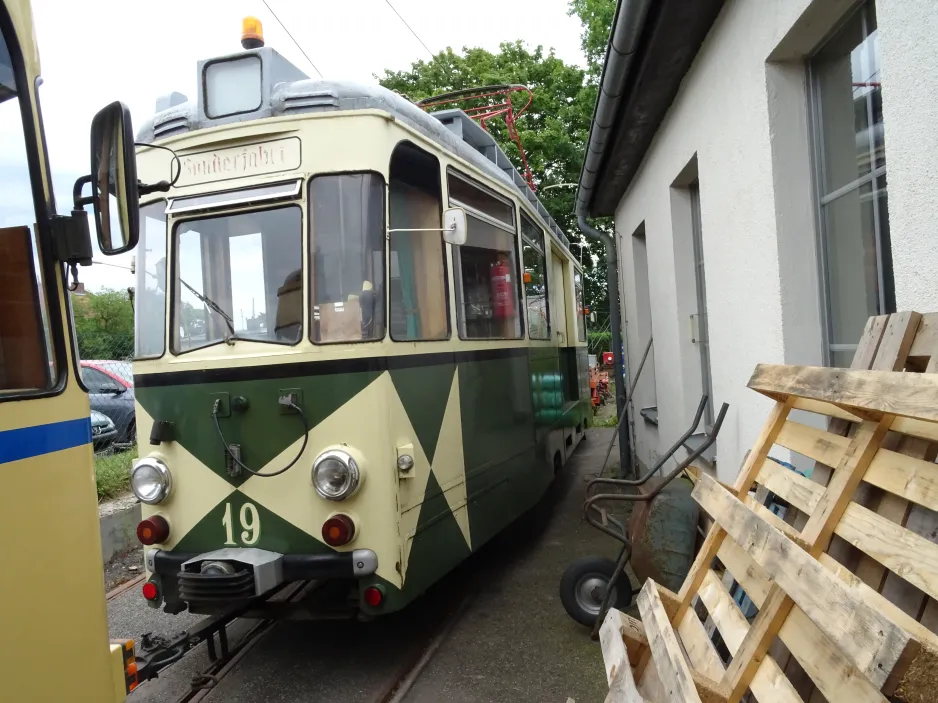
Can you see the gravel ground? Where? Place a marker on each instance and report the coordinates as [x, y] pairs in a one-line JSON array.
[[122, 568]]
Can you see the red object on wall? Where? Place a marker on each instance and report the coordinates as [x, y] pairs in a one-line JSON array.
[[607, 359], [503, 303]]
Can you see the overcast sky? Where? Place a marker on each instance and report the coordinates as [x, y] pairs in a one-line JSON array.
[[99, 51]]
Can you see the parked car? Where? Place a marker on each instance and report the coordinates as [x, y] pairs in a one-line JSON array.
[[103, 430], [111, 392]]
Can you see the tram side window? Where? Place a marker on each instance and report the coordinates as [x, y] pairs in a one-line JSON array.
[[417, 280], [150, 301], [535, 279], [488, 292], [580, 308], [26, 362], [347, 236], [237, 277]]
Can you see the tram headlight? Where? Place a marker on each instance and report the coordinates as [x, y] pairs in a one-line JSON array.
[[336, 474], [151, 481]]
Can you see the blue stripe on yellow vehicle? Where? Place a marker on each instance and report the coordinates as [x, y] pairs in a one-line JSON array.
[[27, 442]]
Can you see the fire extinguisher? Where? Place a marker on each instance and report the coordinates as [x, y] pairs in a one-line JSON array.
[[503, 303]]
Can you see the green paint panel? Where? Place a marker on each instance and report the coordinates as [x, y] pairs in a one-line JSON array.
[[499, 443], [424, 391], [263, 431], [439, 544], [276, 534]]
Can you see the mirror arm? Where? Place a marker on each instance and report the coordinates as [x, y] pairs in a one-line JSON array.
[[77, 199], [158, 187], [432, 229]]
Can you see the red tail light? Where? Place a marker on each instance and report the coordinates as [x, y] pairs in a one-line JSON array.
[[153, 530], [338, 530], [374, 596], [150, 590]]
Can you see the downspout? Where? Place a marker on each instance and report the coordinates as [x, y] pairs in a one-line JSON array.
[[627, 26]]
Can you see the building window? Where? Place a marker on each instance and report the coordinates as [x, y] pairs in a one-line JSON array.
[[417, 281], [851, 176], [647, 387], [701, 331], [535, 279], [488, 293]]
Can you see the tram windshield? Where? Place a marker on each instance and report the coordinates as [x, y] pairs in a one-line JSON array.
[[238, 277]]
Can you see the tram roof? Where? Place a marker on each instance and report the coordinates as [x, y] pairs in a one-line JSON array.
[[285, 90]]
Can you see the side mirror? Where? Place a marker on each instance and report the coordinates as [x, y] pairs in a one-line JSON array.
[[114, 189], [454, 226]]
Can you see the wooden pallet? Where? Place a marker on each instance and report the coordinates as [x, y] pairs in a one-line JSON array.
[[906, 341], [849, 641]]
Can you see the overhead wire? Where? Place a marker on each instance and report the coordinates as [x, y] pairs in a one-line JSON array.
[[416, 36], [270, 9]]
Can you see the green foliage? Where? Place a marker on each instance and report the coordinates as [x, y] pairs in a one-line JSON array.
[[104, 323], [599, 342], [553, 129], [596, 16], [112, 473]]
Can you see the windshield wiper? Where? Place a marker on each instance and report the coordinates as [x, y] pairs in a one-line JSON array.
[[214, 307]]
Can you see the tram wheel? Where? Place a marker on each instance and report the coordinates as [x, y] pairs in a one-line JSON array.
[[583, 586]]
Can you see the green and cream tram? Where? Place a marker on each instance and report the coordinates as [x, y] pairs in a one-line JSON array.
[[361, 347]]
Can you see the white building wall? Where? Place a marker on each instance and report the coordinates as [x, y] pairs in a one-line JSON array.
[[742, 111], [909, 46]]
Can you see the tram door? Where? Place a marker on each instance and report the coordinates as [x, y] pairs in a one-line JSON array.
[[52, 605], [558, 300]]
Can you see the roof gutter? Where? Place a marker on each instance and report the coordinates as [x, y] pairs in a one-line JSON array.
[[627, 26]]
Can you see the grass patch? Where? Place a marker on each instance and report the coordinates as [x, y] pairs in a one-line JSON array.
[[112, 472], [607, 421]]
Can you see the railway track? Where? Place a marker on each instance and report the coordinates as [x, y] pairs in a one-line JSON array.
[[414, 649]]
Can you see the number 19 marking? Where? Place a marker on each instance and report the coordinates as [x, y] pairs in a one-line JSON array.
[[250, 524]]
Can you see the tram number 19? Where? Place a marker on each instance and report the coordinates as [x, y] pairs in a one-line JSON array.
[[250, 525]]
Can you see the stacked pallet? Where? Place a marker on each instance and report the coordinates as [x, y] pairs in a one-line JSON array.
[[844, 588]]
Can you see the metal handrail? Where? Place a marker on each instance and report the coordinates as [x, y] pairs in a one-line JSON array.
[[590, 504], [667, 455]]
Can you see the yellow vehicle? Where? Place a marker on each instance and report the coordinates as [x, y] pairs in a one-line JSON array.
[[52, 606], [361, 347]]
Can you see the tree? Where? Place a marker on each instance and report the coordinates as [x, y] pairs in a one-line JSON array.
[[596, 17], [104, 324], [553, 130]]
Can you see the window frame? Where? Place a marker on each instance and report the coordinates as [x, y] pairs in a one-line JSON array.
[[174, 278], [544, 251], [167, 237], [60, 329], [579, 300], [447, 290], [203, 79], [310, 270], [516, 236], [886, 302]]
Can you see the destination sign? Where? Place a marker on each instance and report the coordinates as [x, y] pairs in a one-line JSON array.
[[240, 161]]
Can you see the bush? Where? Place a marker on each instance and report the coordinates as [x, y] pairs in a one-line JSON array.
[[599, 342], [112, 473]]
